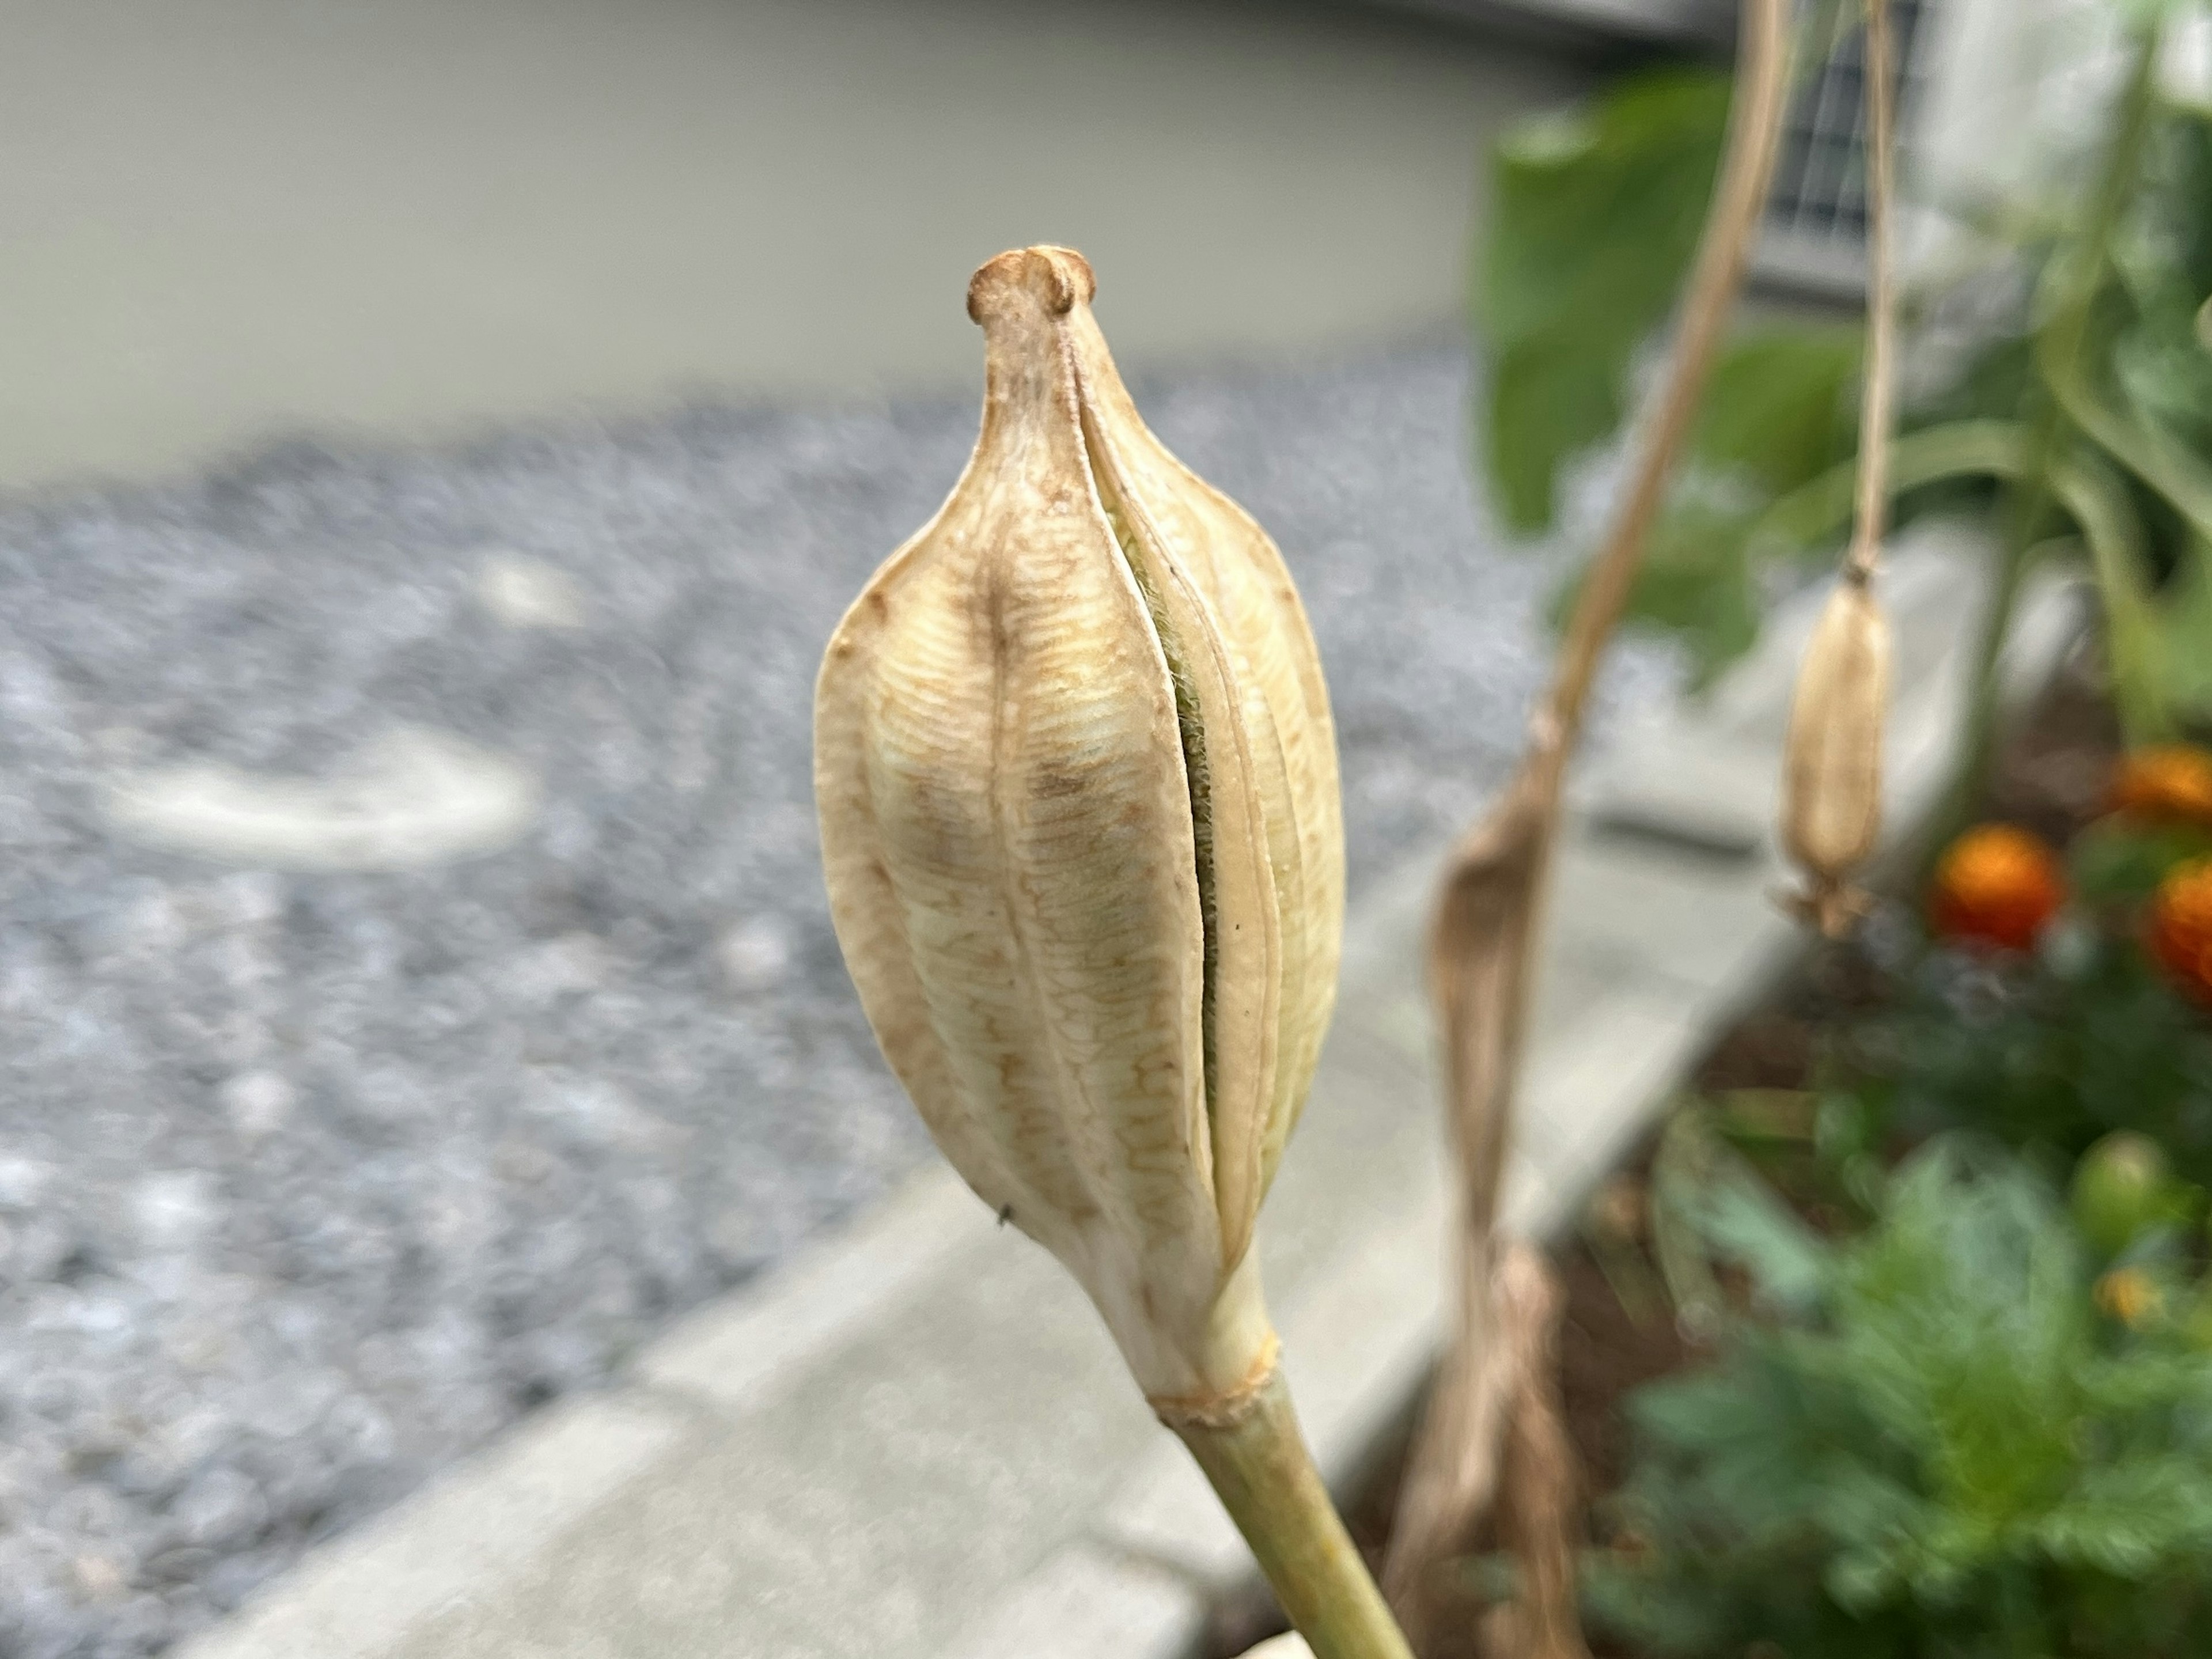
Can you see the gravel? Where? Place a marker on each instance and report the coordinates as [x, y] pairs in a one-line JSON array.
[[310, 1182]]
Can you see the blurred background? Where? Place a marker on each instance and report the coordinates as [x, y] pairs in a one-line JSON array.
[[435, 440], [402, 218]]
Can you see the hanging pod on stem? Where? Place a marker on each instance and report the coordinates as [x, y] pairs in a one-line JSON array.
[[1831, 756]]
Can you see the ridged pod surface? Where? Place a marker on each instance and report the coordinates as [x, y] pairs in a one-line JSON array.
[[1832, 764], [1080, 826]]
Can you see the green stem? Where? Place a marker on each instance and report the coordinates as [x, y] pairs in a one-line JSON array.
[[1978, 746], [2080, 482], [1265, 1477], [2064, 331]]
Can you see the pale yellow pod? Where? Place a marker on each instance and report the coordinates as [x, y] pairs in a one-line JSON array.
[[1255, 612], [1832, 764], [1069, 779]]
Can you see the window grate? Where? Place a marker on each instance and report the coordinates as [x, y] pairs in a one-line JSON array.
[[1816, 215]]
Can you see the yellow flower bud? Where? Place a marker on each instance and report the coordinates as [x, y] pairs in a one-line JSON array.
[[1077, 781], [1832, 759]]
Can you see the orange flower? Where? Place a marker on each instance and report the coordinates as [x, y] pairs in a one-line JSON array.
[[1995, 885], [2181, 926], [2169, 783]]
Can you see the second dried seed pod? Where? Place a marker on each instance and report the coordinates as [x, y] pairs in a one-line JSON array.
[[1832, 760]]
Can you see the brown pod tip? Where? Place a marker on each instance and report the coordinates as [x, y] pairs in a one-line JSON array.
[[1059, 277]]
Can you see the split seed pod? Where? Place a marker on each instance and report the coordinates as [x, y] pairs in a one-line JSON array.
[[1832, 764], [1077, 781]]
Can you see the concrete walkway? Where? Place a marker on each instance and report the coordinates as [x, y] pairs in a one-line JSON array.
[[918, 1441]]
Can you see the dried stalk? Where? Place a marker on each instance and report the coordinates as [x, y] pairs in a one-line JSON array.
[[1878, 389], [1538, 1499], [1482, 939], [1832, 759]]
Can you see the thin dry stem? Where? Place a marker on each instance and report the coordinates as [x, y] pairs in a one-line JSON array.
[[1830, 899], [1539, 1498], [1483, 939], [1878, 392], [1731, 223]]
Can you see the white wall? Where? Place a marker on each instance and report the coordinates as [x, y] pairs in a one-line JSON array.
[[224, 219]]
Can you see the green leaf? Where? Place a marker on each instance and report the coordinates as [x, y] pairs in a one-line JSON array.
[[1694, 585], [1939, 1455], [2126, 1520], [1781, 406], [2117, 861], [2184, 189], [1594, 219], [2112, 532], [1810, 514], [1679, 1172], [2144, 12], [1750, 1226], [2146, 450], [1713, 1193], [2165, 374], [1548, 399], [2182, 628]]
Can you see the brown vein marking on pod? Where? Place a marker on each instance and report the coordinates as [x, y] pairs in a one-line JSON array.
[[1078, 792]]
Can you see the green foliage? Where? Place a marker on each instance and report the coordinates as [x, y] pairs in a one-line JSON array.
[[2119, 862], [1708, 1206], [1593, 218], [2050, 1055], [2148, 11], [2123, 1193], [1695, 583], [1781, 407], [2183, 623], [1943, 1450], [2153, 378], [1781, 414]]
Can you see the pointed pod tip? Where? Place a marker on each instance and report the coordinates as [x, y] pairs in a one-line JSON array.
[[1053, 277]]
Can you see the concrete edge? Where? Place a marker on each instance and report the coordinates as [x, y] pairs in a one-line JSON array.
[[483, 1520], [735, 1351]]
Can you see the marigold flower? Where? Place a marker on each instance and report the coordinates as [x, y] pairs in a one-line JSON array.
[[1995, 885], [2181, 926], [2167, 783]]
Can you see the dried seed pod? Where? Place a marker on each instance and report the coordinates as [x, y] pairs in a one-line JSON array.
[[1077, 783], [1832, 761]]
